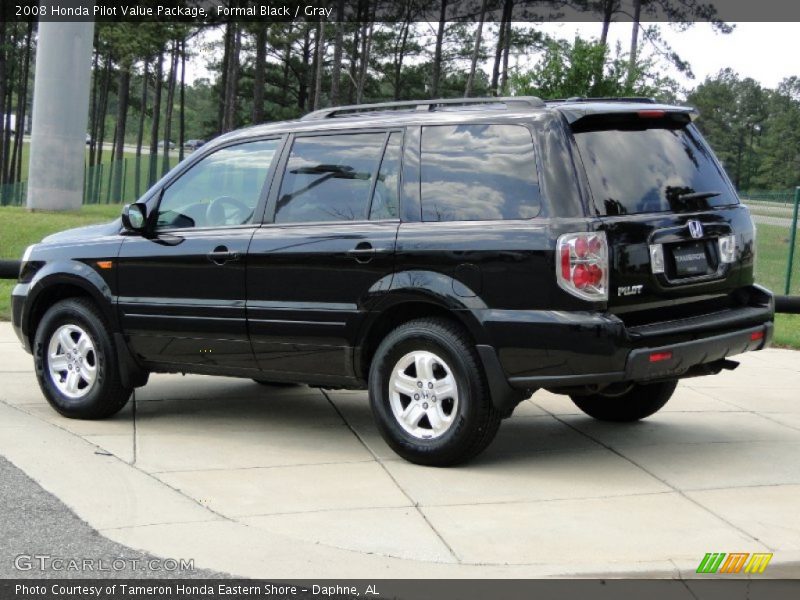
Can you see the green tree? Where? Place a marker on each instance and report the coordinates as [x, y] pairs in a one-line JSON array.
[[587, 69]]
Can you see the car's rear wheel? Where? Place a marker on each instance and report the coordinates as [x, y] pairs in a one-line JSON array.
[[639, 401], [76, 363], [429, 395]]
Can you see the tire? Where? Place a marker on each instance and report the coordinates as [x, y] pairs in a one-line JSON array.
[[90, 359], [277, 384], [464, 418], [639, 402]]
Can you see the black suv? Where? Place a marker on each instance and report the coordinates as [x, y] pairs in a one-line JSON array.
[[450, 256]]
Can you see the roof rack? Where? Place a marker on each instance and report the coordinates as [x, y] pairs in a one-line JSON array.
[[420, 105], [646, 99]]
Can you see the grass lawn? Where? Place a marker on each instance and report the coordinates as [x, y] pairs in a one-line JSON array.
[[19, 228]]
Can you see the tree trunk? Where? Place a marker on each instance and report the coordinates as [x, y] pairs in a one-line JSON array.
[[182, 102], [475, 52], [140, 133], [400, 54], [287, 57], [22, 106], [366, 46], [354, 56], [154, 125], [232, 83], [498, 53], [336, 69], [5, 139], [260, 73], [312, 86], [320, 63], [3, 108], [506, 52], [608, 12], [637, 12], [303, 79], [173, 68], [224, 69], [101, 128], [89, 193], [103, 109], [123, 92], [437, 53]]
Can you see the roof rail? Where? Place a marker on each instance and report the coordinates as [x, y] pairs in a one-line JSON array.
[[646, 99], [420, 105]]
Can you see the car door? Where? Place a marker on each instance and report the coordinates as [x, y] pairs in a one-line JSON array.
[[312, 271], [182, 286]]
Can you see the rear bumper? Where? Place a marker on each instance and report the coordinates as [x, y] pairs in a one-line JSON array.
[[538, 349]]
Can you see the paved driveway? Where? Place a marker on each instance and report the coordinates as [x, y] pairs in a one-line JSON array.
[[288, 482]]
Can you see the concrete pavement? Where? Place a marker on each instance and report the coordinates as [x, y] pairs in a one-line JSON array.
[[295, 482]]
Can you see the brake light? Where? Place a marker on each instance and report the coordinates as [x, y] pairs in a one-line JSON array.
[[651, 114], [582, 268]]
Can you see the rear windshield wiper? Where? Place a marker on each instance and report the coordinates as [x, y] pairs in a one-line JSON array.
[[698, 196]]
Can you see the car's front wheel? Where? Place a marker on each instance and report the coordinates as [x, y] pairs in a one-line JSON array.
[[76, 363], [640, 400], [429, 394]]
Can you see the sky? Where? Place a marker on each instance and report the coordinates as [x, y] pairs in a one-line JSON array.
[[767, 52]]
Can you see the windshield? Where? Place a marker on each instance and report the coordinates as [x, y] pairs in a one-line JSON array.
[[636, 170]]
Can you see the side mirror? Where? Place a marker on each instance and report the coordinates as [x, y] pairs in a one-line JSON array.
[[134, 217]]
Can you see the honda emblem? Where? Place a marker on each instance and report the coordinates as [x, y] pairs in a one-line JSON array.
[[696, 229]]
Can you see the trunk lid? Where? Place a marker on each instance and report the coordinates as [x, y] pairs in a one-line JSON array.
[[663, 199]]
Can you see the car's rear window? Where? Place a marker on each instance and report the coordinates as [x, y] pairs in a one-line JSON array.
[[633, 170]]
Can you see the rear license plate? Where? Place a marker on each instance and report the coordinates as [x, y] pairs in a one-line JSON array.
[[690, 260]]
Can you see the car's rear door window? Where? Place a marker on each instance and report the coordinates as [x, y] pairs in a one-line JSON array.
[[329, 178], [638, 169], [477, 172]]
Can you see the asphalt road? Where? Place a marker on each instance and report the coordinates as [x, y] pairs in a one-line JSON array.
[[36, 524]]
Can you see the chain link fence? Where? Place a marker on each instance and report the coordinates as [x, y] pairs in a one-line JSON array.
[[776, 218], [115, 182]]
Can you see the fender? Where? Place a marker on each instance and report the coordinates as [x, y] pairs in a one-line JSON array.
[[433, 288], [78, 274], [74, 273]]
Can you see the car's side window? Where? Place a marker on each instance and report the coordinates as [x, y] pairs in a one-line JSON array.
[[478, 173], [329, 178], [222, 189], [385, 198]]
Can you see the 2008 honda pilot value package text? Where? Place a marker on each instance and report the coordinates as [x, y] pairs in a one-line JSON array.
[[452, 257]]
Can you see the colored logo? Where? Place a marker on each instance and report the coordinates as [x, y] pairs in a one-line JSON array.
[[720, 562]]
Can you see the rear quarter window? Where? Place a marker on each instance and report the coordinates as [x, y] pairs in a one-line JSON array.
[[478, 173]]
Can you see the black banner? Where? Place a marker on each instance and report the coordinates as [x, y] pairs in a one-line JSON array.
[[216, 11], [483, 589]]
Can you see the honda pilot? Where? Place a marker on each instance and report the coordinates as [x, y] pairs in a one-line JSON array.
[[450, 256]]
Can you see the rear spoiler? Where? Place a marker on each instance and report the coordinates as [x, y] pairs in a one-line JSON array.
[[617, 111]]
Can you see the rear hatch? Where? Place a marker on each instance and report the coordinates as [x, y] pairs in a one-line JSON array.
[[676, 232]]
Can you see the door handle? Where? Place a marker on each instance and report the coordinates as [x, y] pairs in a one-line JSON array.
[[363, 252], [221, 255]]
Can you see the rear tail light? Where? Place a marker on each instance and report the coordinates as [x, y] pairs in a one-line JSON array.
[[727, 249], [756, 335], [582, 266]]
